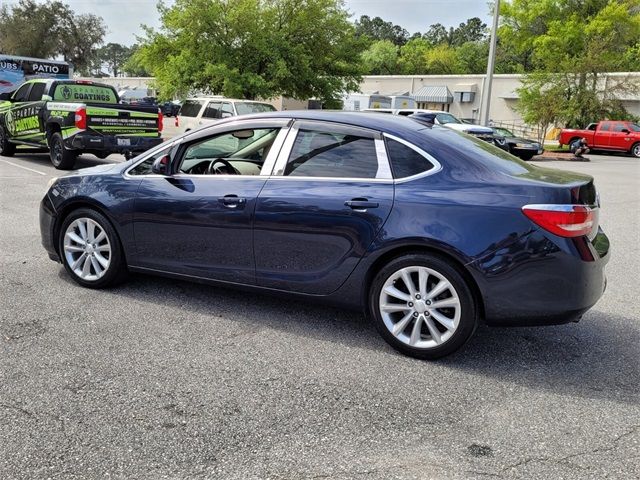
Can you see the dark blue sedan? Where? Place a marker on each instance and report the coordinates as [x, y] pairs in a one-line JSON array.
[[427, 230]]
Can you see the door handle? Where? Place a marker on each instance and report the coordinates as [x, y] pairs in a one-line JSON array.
[[360, 204], [232, 201]]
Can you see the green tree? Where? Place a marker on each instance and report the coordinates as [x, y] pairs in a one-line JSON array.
[[574, 43], [114, 55], [133, 66], [254, 48], [376, 29], [472, 57], [50, 29], [442, 60], [412, 59], [473, 30], [381, 58]]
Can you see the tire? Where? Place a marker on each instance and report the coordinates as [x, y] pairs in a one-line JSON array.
[[7, 149], [102, 263], [635, 150], [526, 156], [461, 316], [61, 157]]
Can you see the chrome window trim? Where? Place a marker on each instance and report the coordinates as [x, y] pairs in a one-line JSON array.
[[383, 173], [169, 145], [267, 167], [437, 166]]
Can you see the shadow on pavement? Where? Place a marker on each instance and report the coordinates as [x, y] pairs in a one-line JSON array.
[[42, 160], [597, 358]]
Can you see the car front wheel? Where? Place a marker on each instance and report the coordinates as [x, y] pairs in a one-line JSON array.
[[90, 249], [635, 150], [422, 306], [7, 148]]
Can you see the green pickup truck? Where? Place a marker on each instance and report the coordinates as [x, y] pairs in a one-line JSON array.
[[70, 117]]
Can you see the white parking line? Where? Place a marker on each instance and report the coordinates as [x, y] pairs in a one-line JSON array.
[[24, 168]]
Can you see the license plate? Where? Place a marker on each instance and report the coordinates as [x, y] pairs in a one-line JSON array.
[[124, 142]]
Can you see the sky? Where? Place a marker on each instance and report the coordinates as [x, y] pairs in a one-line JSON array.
[[123, 17]]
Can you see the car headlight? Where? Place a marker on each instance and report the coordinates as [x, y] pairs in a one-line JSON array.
[[50, 184], [524, 145]]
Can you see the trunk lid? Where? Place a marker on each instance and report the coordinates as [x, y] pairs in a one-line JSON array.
[[120, 119]]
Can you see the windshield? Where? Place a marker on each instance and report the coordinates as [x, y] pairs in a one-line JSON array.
[[244, 108], [504, 132], [444, 118], [70, 92]]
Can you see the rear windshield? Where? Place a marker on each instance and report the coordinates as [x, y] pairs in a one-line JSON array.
[[190, 108], [244, 108], [69, 92], [444, 118]]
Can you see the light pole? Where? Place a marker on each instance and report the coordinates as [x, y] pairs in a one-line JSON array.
[[486, 91]]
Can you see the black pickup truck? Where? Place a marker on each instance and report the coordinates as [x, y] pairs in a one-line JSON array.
[[70, 117]]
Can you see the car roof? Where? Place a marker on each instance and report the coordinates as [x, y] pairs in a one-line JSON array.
[[393, 124], [216, 97]]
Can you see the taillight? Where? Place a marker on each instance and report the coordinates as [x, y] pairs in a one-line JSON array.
[[177, 122], [81, 118], [160, 120], [563, 220]]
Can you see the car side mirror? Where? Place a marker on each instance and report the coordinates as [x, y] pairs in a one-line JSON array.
[[47, 98], [625, 130], [161, 165]]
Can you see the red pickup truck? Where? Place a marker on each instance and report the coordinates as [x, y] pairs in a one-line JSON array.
[[607, 135]]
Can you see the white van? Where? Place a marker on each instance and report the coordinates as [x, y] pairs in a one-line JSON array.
[[198, 111]]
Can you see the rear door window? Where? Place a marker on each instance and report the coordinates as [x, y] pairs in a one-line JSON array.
[[332, 154], [190, 108], [36, 92], [226, 110], [212, 110], [244, 108]]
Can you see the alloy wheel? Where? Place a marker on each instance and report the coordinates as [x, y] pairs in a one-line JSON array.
[[87, 250], [420, 307]]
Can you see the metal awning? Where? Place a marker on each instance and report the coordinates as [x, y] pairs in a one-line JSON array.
[[437, 94]]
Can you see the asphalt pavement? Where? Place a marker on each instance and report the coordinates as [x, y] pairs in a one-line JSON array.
[[164, 379]]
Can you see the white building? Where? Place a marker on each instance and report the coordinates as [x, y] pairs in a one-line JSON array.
[[462, 94]]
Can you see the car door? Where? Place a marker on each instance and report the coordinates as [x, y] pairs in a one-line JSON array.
[[198, 220], [16, 126], [620, 140], [602, 137], [330, 194]]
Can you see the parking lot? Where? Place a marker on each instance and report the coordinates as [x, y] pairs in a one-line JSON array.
[[167, 379]]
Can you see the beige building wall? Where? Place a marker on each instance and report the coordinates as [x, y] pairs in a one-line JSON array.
[[503, 98]]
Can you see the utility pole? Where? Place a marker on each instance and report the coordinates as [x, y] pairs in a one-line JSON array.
[[486, 91]]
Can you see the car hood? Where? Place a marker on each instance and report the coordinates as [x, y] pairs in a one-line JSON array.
[[521, 140], [93, 170], [465, 127]]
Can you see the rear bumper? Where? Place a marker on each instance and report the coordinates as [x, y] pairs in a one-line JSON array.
[[48, 218], [112, 144], [547, 281]]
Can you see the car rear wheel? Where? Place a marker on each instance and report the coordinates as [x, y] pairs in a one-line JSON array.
[[90, 249], [61, 157], [422, 306], [7, 148], [635, 150]]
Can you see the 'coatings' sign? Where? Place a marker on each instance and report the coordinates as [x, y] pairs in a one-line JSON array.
[[84, 93]]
